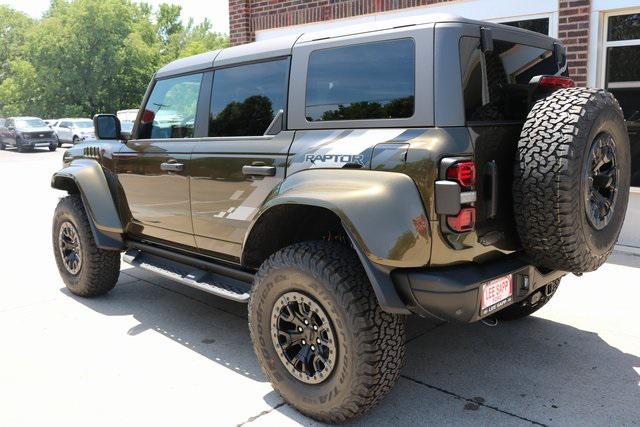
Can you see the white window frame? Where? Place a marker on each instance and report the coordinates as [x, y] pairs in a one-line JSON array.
[[602, 71]]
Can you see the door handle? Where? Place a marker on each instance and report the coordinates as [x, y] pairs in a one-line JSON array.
[[254, 170], [172, 167]]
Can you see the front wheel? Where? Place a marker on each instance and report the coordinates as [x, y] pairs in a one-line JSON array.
[[86, 270], [75, 140], [319, 334], [53, 147]]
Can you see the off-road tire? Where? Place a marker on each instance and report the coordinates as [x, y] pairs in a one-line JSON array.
[[526, 308], [549, 179], [100, 268], [370, 342]]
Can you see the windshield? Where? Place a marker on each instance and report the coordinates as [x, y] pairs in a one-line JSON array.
[[30, 123], [88, 124]]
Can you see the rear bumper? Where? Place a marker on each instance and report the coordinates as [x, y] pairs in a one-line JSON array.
[[453, 293]]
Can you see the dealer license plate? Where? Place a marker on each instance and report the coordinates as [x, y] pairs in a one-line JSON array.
[[496, 294]]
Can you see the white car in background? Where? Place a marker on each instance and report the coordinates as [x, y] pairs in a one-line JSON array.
[[73, 130]]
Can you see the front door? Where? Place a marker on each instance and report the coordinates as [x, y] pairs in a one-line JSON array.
[[237, 166], [154, 168]]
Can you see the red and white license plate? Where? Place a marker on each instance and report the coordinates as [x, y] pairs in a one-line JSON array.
[[496, 294]]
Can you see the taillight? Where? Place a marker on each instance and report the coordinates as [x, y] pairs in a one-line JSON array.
[[464, 221], [464, 173], [557, 82]]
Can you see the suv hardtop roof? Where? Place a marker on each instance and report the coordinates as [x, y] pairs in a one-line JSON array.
[[282, 46]]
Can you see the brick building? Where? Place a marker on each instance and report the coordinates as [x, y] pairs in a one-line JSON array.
[[602, 39]]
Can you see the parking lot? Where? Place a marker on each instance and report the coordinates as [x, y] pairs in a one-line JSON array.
[[153, 352]]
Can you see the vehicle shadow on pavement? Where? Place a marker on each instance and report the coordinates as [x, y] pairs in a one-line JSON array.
[[529, 371]]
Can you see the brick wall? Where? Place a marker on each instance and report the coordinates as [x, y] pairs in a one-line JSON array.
[[573, 30], [248, 16]]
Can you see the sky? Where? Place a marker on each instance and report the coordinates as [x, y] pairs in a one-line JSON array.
[[216, 10]]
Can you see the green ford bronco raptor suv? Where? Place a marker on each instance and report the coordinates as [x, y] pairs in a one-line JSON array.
[[339, 181]]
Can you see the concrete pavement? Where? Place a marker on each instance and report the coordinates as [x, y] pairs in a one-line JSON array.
[[153, 352]]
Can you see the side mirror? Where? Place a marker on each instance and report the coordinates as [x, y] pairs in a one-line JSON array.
[[106, 126]]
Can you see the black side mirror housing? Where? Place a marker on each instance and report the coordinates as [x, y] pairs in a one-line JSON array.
[[107, 126]]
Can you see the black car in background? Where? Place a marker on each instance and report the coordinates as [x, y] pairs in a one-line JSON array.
[[26, 134]]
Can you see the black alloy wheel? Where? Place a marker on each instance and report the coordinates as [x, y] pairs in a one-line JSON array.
[[70, 247], [303, 337], [601, 180]]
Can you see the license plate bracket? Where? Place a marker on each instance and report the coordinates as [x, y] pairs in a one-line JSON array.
[[495, 294]]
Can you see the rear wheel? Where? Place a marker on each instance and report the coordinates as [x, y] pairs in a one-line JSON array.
[[86, 270], [319, 334], [2, 146], [76, 140], [571, 179]]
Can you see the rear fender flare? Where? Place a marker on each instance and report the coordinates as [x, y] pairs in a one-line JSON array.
[[382, 213]]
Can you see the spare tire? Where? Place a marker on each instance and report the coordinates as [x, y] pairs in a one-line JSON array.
[[571, 179]]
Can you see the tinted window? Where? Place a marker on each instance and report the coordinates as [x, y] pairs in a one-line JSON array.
[[171, 108], [501, 91], [366, 81], [246, 98], [540, 25], [623, 27]]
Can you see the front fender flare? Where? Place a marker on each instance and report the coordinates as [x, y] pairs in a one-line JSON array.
[[91, 183]]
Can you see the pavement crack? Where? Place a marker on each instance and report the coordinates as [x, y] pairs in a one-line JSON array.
[[459, 397], [255, 417]]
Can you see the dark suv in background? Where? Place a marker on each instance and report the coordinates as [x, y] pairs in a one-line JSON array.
[[26, 134]]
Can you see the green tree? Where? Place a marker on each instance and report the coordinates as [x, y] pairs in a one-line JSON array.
[[13, 29], [89, 56]]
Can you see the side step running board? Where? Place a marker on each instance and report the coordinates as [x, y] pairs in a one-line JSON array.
[[194, 277]]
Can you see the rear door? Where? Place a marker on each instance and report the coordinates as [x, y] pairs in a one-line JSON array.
[[154, 167], [237, 165]]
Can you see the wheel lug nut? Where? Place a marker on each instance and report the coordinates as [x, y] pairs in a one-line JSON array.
[[313, 347], [304, 342], [306, 322], [299, 328], [318, 340], [315, 327]]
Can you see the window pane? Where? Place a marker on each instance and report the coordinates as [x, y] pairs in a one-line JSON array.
[[246, 98], [623, 64], [471, 68], [366, 81], [507, 71], [540, 25], [624, 27], [171, 109]]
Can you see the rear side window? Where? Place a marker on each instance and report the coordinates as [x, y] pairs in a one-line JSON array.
[[496, 84], [171, 109], [365, 81], [246, 98]]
